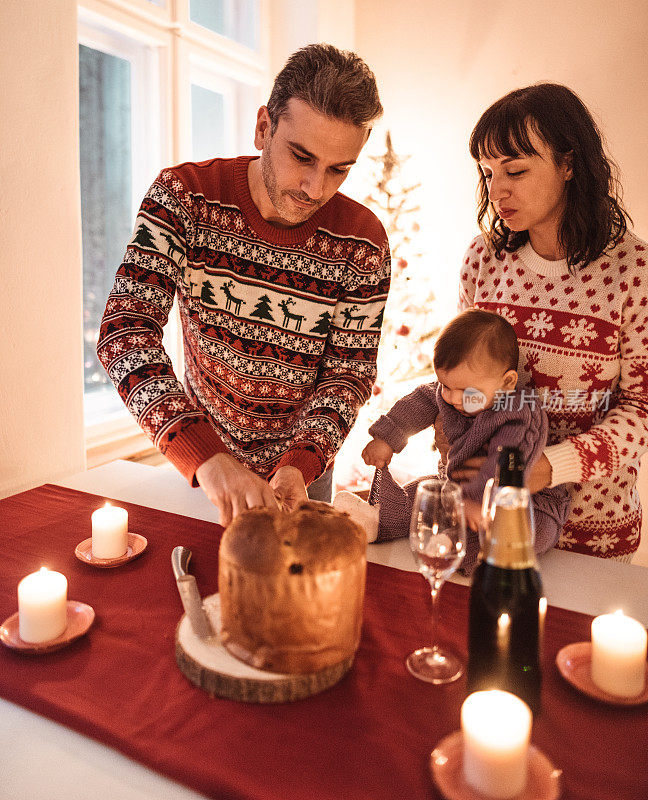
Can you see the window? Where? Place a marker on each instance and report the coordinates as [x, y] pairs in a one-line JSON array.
[[235, 19], [159, 83]]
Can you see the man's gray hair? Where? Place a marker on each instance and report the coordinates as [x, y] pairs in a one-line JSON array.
[[335, 82]]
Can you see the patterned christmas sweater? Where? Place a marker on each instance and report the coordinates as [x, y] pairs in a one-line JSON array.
[[280, 325], [584, 347]]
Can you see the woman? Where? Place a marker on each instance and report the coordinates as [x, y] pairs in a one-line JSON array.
[[557, 260]]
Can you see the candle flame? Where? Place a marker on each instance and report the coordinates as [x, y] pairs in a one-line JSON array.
[[542, 605], [107, 504], [43, 569], [619, 612]]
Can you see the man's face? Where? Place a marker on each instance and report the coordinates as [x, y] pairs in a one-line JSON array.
[[304, 162]]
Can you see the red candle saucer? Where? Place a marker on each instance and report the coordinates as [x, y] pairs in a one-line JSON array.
[[574, 664], [80, 617], [446, 766], [136, 546]]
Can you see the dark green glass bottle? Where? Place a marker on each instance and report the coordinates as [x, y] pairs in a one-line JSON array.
[[504, 629]]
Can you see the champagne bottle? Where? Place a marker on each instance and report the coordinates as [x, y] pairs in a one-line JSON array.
[[504, 636]]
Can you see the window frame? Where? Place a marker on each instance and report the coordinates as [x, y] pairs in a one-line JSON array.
[[169, 50]]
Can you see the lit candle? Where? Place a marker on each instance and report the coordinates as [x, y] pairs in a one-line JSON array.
[[496, 730], [109, 532], [42, 606], [542, 615], [619, 654]]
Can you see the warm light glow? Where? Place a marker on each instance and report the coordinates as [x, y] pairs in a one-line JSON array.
[[42, 606], [619, 645], [503, 622], [109, 531], [496, 728]]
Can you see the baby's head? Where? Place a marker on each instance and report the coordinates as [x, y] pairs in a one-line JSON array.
[[475, 357]]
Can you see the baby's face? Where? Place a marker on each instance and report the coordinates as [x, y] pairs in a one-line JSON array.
[[471, 386]]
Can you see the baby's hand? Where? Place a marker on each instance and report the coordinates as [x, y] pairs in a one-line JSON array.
[[377, 453]]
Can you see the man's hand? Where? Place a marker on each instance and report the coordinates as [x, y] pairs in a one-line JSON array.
[[288, 486], [233, 488], [377, 453]]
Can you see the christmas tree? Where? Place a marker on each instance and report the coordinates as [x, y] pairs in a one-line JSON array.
[[207, 294], [263, 309], [409, 327], [144, 236]]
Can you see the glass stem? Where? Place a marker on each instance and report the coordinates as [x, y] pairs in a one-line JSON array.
[[436, 588]]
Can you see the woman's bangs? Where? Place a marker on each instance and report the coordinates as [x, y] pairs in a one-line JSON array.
[[504, 135]]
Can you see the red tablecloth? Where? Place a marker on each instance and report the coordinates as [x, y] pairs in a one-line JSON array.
[[368, 737]]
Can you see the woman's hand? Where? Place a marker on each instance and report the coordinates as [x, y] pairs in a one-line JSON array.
[[539, 476], [468, 470], [472, 510]]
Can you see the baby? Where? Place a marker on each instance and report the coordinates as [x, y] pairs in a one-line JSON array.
[[476, 401]]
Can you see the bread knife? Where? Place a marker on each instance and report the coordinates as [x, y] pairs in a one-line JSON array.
[[189, 593]]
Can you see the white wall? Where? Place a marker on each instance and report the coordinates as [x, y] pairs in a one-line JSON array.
[[440, 64], [296, 23], [41, 358]]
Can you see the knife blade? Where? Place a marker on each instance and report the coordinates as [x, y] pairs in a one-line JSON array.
[[189, 594]]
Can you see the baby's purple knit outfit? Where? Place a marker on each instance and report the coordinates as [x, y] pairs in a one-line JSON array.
[[522, 423]]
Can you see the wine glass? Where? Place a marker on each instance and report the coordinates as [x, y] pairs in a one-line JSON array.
[[438, 541]]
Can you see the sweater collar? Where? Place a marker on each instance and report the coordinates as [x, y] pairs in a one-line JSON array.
[[541, 266], [266, 231]]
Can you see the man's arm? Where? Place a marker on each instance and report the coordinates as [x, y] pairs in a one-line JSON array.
[[131, 350]]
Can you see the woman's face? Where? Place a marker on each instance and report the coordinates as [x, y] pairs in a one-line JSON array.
[[528, 192]]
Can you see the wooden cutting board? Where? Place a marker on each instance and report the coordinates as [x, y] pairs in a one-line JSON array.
[[207, 664]]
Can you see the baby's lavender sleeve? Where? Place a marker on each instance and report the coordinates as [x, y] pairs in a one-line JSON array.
[[415, 412]]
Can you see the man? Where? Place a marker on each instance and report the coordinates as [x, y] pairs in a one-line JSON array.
[[281, 284]]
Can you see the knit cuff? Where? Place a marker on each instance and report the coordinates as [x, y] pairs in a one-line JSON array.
[[305, 460], [387, 430], [565, 465], [192, 447]]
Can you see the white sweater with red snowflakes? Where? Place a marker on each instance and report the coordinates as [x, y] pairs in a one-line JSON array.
[[584, 346]]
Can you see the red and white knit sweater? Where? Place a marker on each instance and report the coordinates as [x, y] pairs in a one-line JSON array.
[[281, 325], [584, 346]]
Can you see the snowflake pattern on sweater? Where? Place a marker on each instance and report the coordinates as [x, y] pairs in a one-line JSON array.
[[584, 347], [280, 325]]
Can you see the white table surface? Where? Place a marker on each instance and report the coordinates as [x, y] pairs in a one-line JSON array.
[[42, 760]]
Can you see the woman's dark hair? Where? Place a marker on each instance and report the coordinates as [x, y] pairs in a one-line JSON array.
[[335, 82], [594, 218], [472, 333]]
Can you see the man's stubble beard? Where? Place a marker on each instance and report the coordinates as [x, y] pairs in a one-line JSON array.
[[277, 198]]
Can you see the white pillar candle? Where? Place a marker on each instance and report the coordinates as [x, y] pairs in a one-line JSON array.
[[109, 532], [42, 606], [496, 730], [619, 654]]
